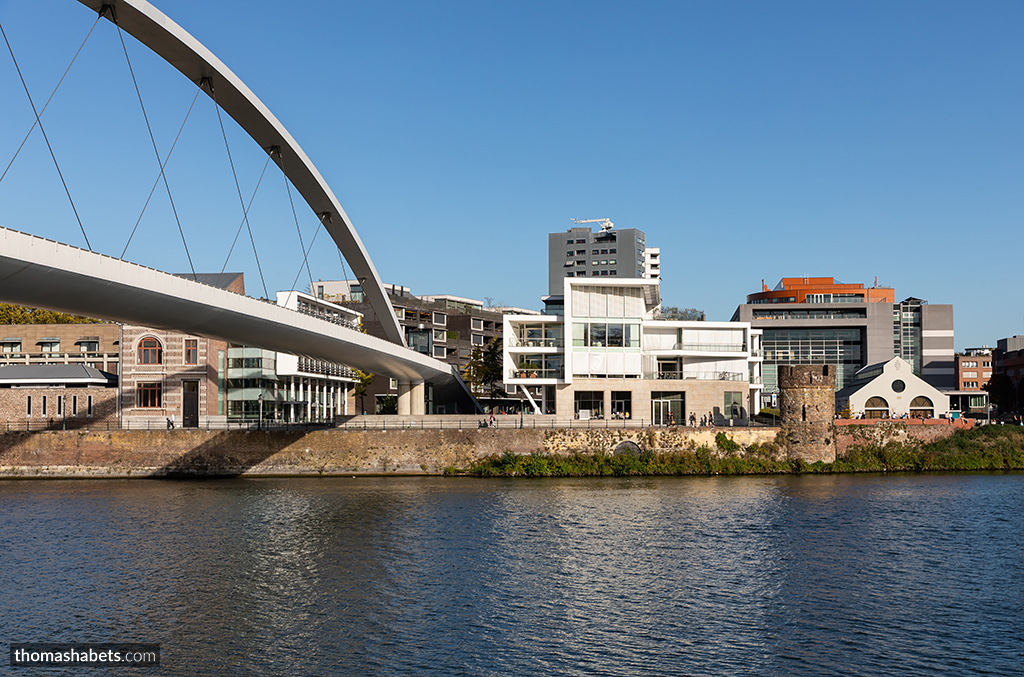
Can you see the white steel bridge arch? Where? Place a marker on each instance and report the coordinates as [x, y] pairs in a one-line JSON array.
[[192, 59]]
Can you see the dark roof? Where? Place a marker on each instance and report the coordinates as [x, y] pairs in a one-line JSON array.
[[54, 373], [219, 280]]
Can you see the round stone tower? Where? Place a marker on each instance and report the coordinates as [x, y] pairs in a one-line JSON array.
[[807, 406]]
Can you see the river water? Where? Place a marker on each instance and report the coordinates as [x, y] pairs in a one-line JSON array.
[[836, 575]]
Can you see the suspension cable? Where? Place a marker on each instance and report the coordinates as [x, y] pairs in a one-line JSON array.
[[46, 138], [157, 181], [302, 246], [305, 253], [160, 163], [241, 200], [246, 211], [43, 109]]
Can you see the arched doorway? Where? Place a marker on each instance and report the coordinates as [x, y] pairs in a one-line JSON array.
[[921, 407], [876, 407]]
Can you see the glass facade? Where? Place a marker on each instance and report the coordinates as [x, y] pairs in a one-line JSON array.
[[906, 332], [843, 348]]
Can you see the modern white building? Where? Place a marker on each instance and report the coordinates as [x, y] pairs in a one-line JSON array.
[[607, 356], [307, 389]]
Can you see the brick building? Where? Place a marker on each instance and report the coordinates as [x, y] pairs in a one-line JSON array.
[[166, 373], [35, 396]]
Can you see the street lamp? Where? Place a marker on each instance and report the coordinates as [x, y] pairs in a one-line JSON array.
[[260, 400]]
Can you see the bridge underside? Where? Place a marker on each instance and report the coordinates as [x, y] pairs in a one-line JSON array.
[[42, 273]]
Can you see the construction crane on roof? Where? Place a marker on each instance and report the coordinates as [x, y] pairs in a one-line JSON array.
[[606, 224]]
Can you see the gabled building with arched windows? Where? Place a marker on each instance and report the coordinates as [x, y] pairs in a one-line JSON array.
[[892, 390]]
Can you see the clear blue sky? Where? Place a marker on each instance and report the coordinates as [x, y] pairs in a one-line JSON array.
[[749, 140]]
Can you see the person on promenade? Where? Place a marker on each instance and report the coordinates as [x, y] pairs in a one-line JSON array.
[[491, 422], [711, 419], [693, 420]]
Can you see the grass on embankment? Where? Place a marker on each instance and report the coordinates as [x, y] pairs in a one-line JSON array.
[[987, 448]]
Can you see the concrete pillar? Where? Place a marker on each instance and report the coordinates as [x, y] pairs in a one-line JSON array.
[[404, 398], [418, 393]]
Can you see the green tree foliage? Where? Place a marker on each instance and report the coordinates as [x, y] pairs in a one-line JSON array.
[[12, 314], [1002, 392], [388, 404], [363, 381], [483, 371], [674, 313]]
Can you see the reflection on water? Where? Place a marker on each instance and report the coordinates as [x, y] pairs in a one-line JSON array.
[[867, 575]]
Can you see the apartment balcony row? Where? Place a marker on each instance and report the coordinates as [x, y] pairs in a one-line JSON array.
[[332, 318], [528, 373], [704, 348], [696, 376], [517, 375], [516, 342]]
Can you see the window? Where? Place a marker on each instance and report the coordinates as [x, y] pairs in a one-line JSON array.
[[440, 335], [733, 405], [604, 272], [581, 252], [611, 262], [149, 395], [613, 272], [44, 405], [440, 318], [478, 340], [400, 313], [88, 406], [581, 241], [568, 253], [60, 405], [570, 274], [568, 241], [393, 384], [191, 351], [439, 352], [477, 324], [49, 346], [28, 402], [150, 351], [970, 374], [12, 346], [970, 384], [74, 405], [604, 251], [595, 252], [593, 263], [320, 291], [89, 346], [611, 251]]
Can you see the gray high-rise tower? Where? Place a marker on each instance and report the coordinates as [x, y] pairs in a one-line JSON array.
[[583, 252]]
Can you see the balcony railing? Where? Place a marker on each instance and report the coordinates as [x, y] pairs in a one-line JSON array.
[[516, 342], [697, 376], [536, 373], [711, 347]]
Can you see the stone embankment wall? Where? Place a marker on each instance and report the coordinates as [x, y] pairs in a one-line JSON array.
[[883, 432], [197, 453], [336, 452]]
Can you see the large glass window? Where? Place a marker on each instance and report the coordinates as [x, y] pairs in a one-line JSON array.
[[150, 395], [589, 404], [150, 351]]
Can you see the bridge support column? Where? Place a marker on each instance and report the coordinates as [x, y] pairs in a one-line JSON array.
[[404, 398], [418, 394]]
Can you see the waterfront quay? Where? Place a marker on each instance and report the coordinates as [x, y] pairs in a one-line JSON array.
[[414, 449]]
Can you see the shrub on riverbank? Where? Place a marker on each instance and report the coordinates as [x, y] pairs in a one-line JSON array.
[[986, 448]]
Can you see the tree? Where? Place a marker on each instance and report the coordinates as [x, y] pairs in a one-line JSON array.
[[1002, 392], [674, 313], [363, 381], [483, 371], [14, 314]]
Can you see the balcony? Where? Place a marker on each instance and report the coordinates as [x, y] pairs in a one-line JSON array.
[[711, 347], [696, 376], [529, 373], [516, 342]]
